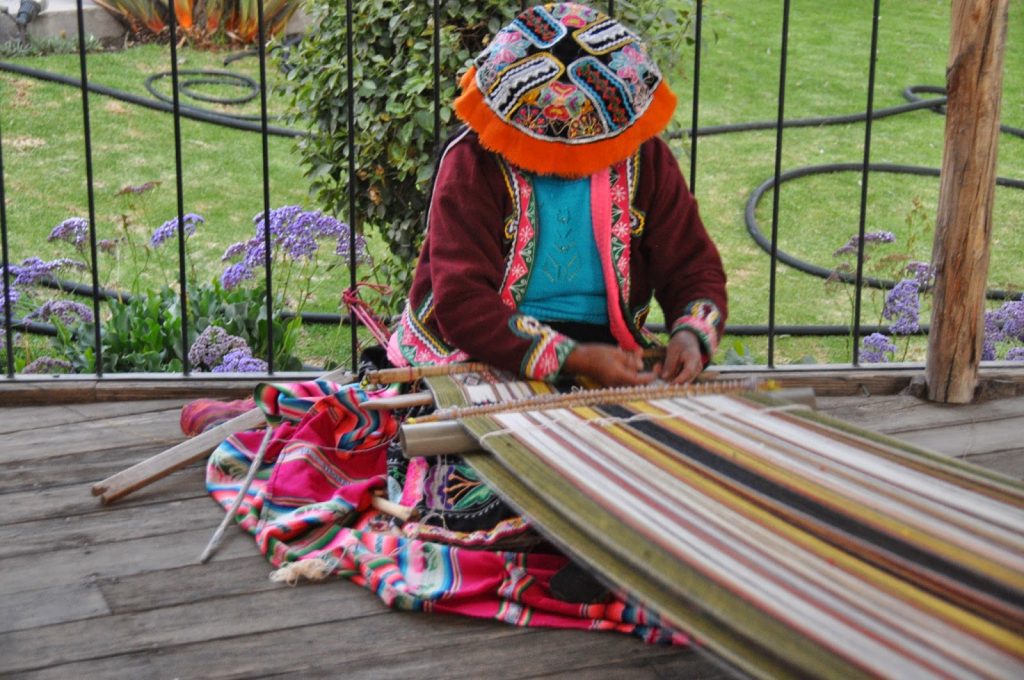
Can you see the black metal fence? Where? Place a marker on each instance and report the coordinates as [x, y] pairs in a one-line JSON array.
[[770, 243]]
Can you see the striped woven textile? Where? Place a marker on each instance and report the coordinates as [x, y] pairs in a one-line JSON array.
[[310, 504], [787, 543]]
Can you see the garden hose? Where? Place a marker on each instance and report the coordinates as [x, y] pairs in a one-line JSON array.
[[246, 123]]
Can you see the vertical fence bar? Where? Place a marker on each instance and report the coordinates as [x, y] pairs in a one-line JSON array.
[[172, 25], [261, 50], [8, 311], [87, 130], [611, 8], [350, 102], [778, 184], [437, 75], [696, 96], [864, 185]]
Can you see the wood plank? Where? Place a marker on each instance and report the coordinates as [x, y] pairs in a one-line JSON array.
[[17, 418], [115, 559], [73, 469], [311, 650], [969, 439], [1010, 463], [395, 644], [65, 389], [905, 413], [191, 583], [535, 653], [157, 427], [132, 522], [209, 620], [29, 505], [61, 604]]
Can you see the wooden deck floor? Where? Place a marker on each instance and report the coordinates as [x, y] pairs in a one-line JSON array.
[[107, 592]]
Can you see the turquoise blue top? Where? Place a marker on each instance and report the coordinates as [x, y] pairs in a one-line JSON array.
[[566, 283]]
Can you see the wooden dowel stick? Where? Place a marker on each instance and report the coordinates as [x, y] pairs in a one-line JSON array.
[[159, 466], [254, 467], [410, 400], [407, 374], [394, 509]]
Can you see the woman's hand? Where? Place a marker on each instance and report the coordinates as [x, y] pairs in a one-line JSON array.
[[683, 360], [609, 365]]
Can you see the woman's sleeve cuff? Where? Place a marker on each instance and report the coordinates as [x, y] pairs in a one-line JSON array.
[[700, 318]]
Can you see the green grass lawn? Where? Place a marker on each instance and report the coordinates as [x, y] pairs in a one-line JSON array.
[[828, 65], [827, 75]]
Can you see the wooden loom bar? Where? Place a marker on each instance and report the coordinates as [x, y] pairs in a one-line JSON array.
[[608, 395], [963, 230]]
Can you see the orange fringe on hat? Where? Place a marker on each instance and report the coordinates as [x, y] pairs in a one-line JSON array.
[[553, 157]]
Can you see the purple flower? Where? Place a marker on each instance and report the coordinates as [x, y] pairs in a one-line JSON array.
[[211, 346], [32, 269], [903, 307], [234, 274], [241, 361], [235, 250], [65, 311], [47, 365], [15, 294], [170, 228], [1006, 323], [875, 348], [1011, 319], [362, 255], [1015, 354], [870, 237], [988, 349], [295, 234], [922, 272], [74, 230]]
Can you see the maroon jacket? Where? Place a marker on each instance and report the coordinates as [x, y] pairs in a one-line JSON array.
[[481, 237]]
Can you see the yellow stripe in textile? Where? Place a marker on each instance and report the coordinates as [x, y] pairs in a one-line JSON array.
[[685, 581], [1009, 540], [975, 522], [951, 552], [965, 621], [739, 567], [990, 483]]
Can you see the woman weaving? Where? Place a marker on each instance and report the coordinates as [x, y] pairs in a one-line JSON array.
[[556, 213], [553, 218]]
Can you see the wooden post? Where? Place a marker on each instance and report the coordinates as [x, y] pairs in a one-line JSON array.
[[963, 230]]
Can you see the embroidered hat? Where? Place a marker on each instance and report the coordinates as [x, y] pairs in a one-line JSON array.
[[564, 90]]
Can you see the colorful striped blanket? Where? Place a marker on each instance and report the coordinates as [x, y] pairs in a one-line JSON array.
[[789, 544], [311, 503]]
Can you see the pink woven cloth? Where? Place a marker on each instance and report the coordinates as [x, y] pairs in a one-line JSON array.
[[311, 500]]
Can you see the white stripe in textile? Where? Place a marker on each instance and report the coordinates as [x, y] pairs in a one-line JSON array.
[[920, 483], [785, 446], [721, 551]]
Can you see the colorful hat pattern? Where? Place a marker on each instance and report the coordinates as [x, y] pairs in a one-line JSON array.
[[564, 90]]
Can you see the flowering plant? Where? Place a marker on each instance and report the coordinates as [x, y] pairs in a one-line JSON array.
[[295, 239], [902, 308], [142, 330]]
